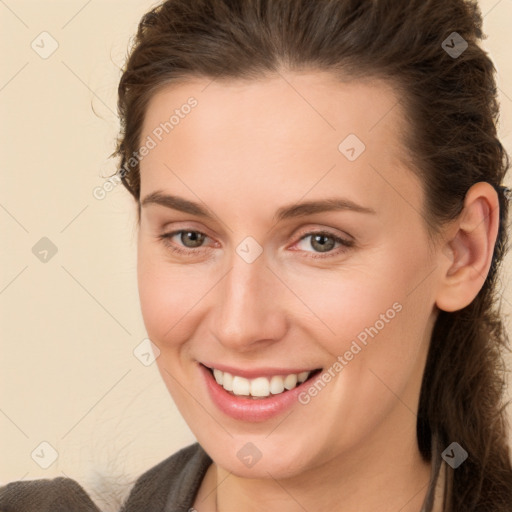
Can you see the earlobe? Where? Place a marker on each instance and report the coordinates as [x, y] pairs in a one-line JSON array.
[[466, 256]]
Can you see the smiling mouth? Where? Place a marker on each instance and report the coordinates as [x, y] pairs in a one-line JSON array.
[[260, 387]]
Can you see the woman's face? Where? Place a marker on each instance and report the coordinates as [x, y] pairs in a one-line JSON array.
[[259, 285]]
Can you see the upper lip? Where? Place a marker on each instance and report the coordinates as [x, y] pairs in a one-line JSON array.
[[253, 373]]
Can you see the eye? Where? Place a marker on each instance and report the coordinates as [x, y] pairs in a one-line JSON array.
[[189, 238], [324, 242]]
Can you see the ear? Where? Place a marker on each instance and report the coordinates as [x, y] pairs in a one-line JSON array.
[[466, 253]]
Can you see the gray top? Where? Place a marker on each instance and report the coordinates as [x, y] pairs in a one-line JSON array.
[[170, 486]]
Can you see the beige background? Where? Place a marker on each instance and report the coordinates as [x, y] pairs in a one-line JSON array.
[[69, 326]]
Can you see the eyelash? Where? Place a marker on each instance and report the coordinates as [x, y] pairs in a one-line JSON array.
[[345, 244]]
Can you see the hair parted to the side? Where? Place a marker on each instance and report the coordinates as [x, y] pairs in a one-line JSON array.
[[452, 111]]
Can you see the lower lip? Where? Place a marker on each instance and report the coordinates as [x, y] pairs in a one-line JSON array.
[[249, 409]]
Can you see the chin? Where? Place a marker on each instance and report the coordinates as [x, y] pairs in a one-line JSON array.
[[270, 458]]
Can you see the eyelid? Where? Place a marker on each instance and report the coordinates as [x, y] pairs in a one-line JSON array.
[[325, 231]]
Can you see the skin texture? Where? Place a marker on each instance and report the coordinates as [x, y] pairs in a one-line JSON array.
[[247, 149]]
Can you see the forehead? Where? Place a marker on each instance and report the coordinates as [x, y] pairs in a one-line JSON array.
[[324, 103], [293, 132]]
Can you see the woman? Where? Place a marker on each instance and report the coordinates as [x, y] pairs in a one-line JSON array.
[[321, 218]]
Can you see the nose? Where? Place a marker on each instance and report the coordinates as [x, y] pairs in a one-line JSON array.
[[247, 312]]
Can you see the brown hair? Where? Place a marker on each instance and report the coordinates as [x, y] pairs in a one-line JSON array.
[[451, 106]]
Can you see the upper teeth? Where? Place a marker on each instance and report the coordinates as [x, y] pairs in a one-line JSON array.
[[261, 386]]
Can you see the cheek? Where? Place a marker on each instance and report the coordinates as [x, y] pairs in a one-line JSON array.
[[164, 297], [380, 335], [342, 303], [171, 296], [373, 310]]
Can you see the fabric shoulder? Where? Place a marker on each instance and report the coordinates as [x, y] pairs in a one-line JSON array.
[[45, 495], [171, 485]]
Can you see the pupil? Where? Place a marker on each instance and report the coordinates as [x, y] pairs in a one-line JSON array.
[[192, 236], [324, 247]]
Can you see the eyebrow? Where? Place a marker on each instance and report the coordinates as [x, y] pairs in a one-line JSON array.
[[283, 213]]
